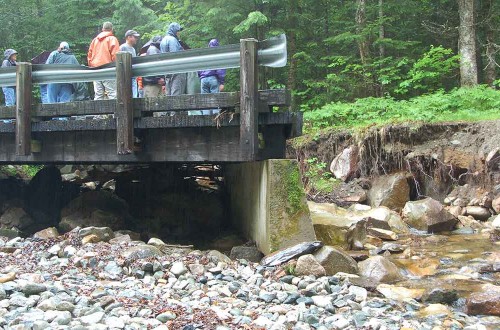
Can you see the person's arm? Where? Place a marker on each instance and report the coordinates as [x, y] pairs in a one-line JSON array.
[[221, 77], [114, 47], [90, 53]]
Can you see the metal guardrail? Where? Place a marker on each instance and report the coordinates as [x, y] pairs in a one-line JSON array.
[[271, 53]]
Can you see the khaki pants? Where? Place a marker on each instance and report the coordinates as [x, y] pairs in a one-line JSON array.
[[105, 89], [152, 90]]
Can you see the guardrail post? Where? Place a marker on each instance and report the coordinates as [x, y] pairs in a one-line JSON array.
[[249, 99], [124, 110], [23, 109]]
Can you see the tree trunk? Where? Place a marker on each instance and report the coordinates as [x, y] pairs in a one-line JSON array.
[[490, 69], [467, 43], [364, 51], [381, 29]]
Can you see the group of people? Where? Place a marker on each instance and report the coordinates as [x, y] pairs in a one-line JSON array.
[[103, 49]]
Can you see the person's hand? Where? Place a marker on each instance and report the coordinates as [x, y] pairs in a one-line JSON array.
[[161, 82], [221, 87]]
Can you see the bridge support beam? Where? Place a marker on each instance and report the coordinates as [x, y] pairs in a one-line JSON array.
[[268, 203], [124, 110], [23, 109]]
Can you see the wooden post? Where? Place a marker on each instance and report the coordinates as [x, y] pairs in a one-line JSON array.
[[249, 100], [23, 109], [124, 111]]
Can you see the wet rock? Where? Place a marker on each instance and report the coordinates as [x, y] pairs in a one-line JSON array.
[[30, 289], [428, 215], [440, 296], [495, 205], [95, 209], [104, 234], [391, 191], [434, 310], [10, 233], [345, 165], [16, 217], [485, 302], [178, 269], [384, 234], [156, 242], [250, 253], [421, 267], [334, 260], [219, 256], [141, 252], [280, 257], [308, 265], [47, 233], [379, 269], [478, 212], [399, 293]]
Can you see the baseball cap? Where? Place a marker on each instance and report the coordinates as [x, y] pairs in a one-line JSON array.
[[132, 33]]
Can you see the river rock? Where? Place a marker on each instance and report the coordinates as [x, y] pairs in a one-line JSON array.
[[495, 205], [308, 265], [345, 165], [104, 234], [440, 296], [334, 260], [485, 302], [178, 268], [399, 293], [31, 288], [95, 209], [250, 253], [391, 191], [384, 234], [16, 217], [379, 269], [156, 241], [428, 215], [48, 233], [280, 257], [142, 251], [478, 212]]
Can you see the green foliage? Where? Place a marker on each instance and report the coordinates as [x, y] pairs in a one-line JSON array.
[[31, 170], [466, 104], [254, 19], [289, 269], [319, 179]]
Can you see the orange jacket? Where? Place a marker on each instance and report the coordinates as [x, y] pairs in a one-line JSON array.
[[103, 49]]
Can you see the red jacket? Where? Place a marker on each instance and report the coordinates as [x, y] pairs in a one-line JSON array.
[[103, 49]]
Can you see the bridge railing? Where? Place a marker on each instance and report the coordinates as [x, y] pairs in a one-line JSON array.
[[249, 100]]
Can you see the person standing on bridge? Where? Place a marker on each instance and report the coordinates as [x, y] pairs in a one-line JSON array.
[[169, 44], [212, 81], [131, 38], [62, 92], [9, 60], [102, 51], [153, 84]]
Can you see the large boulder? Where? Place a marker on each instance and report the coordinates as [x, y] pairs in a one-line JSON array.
[[392, 191], [95, 209], [142, 251], [428, 215], [380, 269], [478, 212], [334, 261], [485, 302], [16, 217], [308, 265], [345, 164], [44, 195]]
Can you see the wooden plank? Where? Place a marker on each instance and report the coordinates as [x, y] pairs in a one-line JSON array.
[[23, 109], [124, 110], [249, 143]]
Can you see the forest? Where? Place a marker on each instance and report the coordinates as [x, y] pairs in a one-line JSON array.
[[339, 51]]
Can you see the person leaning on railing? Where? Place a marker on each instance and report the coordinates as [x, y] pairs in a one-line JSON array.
[[61, 92], [153, 84], [9, 60]]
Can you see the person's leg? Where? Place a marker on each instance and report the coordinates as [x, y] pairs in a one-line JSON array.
[[214, 89], [65, 93], [110, 87], [10, 96], [134, 88], [152, 91], [43, 93], [52, 92], [98, 90]]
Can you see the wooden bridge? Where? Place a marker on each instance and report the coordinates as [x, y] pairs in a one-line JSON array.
[[248, 130]]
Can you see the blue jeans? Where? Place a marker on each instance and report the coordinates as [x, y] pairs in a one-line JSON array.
[[10, 95], [210, 85], [43, 94], [135, 89], [60, 93]]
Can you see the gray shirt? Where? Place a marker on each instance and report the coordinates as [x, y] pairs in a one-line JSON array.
[[126, 48]]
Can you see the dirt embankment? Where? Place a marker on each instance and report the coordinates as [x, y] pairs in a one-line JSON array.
[[437, 157]]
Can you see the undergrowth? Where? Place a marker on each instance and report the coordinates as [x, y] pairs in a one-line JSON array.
[[464, 104]]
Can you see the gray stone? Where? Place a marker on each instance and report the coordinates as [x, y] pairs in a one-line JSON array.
[[3, 294], [267, 296], [440, 296], [93, 318], [113, 270], [178, 268], [167, 316], [196, 269], [334, 260], [33, 288], [41, 325], [391, 191], [103, 233], [47, 233], [308, 265], [141, 252], [478, 212], [16, 217], [379, 269], [219, 256], [428, 215], [250, 253], [345, 165], [63, 318]]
